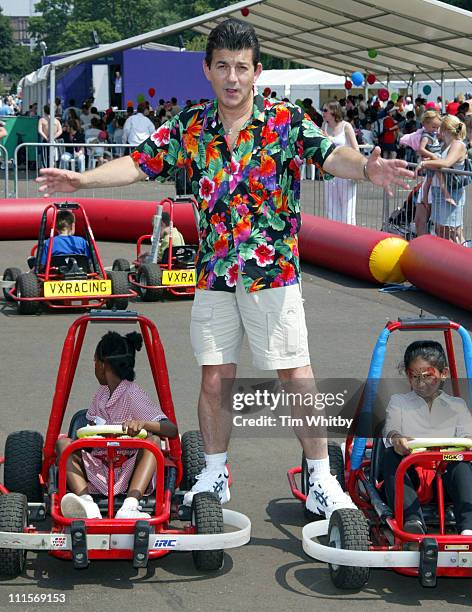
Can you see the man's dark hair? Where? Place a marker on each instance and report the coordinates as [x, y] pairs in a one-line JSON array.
[[46, 109], [141, 107], [173, 100], [165, 219], [234, 35]]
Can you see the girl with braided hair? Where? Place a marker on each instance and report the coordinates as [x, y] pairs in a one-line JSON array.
[[118, 401]]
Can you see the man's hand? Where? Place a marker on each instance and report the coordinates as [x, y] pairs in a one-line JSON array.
[[387, 172], [53, 180], [132, 428], [400, 445]]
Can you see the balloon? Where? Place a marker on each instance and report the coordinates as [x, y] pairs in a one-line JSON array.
[[151, 92], [383, 94], [371, 78], [372, 53], [299, 102], [357, 78], [432, 106], [427, 90], [130, 103], [266, 92], [245, 12], [140, 97], [347, 84], [394, 96]]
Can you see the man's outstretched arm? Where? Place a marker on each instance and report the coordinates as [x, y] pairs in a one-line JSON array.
[[119, 172]]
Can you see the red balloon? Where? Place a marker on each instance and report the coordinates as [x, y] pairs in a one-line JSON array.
[[152, 92], [371, 78], [347, 84], [245, 12], [383, 94]]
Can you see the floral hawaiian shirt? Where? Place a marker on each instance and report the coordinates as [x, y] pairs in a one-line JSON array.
[[249, 199]]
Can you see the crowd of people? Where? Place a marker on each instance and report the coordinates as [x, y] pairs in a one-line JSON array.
[[417, 131]]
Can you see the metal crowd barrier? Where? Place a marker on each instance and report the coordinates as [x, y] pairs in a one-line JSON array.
[[4, 161], [366, 205], [29, 157]]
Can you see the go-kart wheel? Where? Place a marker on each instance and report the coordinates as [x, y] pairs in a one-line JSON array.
[[27, 286], [149, 274], [13, 518], [23, 463], [193, 459], [119, 285], [10, 274], [348, 529], [207, 516], [121, 265]]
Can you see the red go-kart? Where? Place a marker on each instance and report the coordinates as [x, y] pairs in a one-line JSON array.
[[174, 274], [373, 535], [35, 482], [65, 281]]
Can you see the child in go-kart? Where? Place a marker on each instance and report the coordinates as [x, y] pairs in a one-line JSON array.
[[118, 401], [65, 243], [427, 412]]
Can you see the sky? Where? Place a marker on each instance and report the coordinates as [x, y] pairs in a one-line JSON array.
[[18, 8]]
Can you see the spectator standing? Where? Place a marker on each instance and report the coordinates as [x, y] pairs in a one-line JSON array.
[[340, 194], [118, 89], [43, 131], [85, 116], [138, 128]]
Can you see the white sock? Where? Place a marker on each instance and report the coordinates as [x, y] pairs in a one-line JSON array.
[[318, 467], [87, 498], [216, 460], [130, 502]]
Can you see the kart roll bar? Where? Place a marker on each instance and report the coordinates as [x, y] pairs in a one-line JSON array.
[[68, 364], [378, 357]]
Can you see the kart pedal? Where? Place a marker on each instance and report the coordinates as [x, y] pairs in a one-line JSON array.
[[79, 544], [428, 562], [141, 544], [184, 513]]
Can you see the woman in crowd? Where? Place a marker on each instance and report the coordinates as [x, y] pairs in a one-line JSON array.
[[340, 194]]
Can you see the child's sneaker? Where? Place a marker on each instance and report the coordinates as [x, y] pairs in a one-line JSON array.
[[130, 510], [214, 480], [326, 495], [83, 506]]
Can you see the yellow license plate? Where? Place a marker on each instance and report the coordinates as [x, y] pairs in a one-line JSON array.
[[178, 277], [77, 288]]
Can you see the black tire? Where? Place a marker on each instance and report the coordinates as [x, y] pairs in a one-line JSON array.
[[336, 467], [119, 285], [207, 516], [27, 286], [121, 265], [150, 274], [10, 274], [193, 459], [13, 518], [23, 463], [348, 529]]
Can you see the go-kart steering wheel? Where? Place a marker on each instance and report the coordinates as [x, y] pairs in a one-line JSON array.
[[108, 431]]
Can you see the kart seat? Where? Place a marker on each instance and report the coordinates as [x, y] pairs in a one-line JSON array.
[[77, 421], [182, 256], [74, 264]]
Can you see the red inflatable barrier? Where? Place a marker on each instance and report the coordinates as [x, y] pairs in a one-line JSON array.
[[441, 268], [123, 220], [355, 251]]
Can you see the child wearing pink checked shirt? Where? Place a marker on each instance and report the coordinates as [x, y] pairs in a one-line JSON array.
[[118, 401]]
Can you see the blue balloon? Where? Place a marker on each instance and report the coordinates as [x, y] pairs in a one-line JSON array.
[[357, 78]]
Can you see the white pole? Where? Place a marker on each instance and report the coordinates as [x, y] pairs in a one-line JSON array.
[[52, 113], [443, 92]]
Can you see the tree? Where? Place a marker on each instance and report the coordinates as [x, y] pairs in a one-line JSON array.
[[6, 43], [78, 34], [50, 25]]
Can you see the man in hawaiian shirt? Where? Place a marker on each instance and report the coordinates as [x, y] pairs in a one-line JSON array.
[[243, 154]]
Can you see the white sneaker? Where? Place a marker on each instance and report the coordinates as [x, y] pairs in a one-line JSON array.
[[211, 480], [326, 496], [73, 506], [131, 513], [466, 532]]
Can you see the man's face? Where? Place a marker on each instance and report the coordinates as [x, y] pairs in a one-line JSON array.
[[232, 76]]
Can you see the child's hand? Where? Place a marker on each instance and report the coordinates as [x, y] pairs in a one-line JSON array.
[[132, 428], [400, 445]]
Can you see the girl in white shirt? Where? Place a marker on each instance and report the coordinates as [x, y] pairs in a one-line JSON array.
[[427, 411]]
